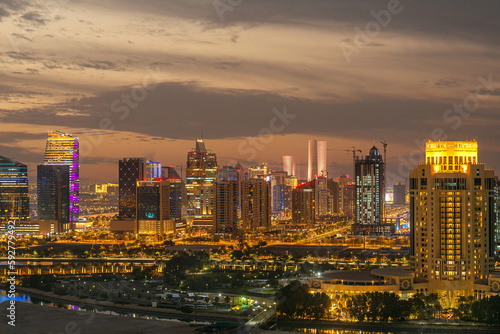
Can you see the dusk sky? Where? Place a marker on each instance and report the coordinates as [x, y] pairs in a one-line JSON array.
[[145, 78]]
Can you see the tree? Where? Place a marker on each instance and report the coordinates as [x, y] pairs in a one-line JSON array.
[[273, 282], [378, 306], [237, 280], [295, 300]]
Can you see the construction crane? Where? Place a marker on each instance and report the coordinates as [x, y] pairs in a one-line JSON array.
[[385, 151], [354, 150], [385, 168]]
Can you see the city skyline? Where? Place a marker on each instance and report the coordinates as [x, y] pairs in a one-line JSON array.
[[205, 74], [250, 166]]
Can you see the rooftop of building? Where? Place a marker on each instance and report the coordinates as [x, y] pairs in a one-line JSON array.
[[347, 275], [360, 276], [393, 271]]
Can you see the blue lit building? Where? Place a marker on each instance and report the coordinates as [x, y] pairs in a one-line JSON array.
[[14, 198]]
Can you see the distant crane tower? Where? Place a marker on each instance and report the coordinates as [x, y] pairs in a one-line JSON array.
[[385, 169], [354, 150]]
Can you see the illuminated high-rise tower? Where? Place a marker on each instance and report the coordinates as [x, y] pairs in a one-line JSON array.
[[452, 217], [370, 180], [316, 163], [63, 149], [256, 204], [153, 170], [201, 169], [225, 217], [303, 205], [14, 198]]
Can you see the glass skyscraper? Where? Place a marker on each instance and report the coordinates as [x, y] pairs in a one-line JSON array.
[[130, 170], [53, 183], [63, 149], [14, 198]]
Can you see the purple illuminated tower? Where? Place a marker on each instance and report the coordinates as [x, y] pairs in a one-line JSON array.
[[63, 149]]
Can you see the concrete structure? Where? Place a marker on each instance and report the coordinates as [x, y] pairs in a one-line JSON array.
[[347, 195], [322, 196], [370, 183], [303, 205], [452, 216], [256, 204], [225, 221]]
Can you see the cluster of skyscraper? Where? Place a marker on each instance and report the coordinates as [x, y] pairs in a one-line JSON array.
[[228, 199], [57, 185], [220, 200], [150, 196], [454, 200]]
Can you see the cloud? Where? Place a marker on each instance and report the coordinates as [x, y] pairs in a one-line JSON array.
[[100, 65], [235, 37], [449, 83], [456, 19], [3, 13], [23, 56], [20, 36], [182, 110], [34, 18]]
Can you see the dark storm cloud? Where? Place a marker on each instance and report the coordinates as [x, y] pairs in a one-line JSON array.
[[182, 110], [13, 5], [457, 19], [3, 13]]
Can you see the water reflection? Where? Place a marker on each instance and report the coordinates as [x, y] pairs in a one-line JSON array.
[[18, 297], [329, 331], [37, 301]]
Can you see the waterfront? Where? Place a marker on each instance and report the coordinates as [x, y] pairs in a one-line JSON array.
[[25, 298], [283, 326]]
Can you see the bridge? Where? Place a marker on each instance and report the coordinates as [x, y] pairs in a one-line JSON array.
[[258, 320]]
